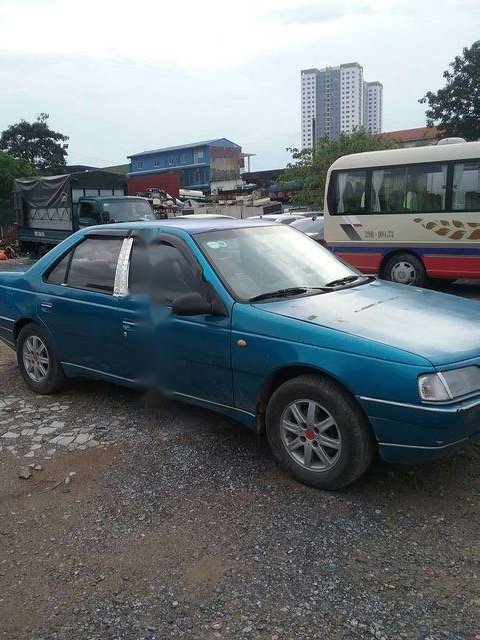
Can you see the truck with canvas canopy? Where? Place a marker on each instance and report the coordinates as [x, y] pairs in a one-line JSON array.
[[50, 208]]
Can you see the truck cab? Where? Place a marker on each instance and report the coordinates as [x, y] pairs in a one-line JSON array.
[[92, 210]]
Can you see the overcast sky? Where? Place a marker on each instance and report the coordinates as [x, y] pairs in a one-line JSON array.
[[122, 77]]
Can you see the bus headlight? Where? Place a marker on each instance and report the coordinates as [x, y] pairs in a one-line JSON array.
[[449, 385]]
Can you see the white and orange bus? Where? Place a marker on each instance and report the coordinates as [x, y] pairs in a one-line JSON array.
[[407, 214]]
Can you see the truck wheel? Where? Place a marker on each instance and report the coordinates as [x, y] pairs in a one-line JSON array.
[[405, 268], [38, 362], [318, 433]]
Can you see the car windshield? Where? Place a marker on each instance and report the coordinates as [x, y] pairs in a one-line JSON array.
[[259, 260], [126, 210], [309, 225]]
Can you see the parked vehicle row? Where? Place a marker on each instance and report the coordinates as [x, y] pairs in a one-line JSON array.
[[255, 320]]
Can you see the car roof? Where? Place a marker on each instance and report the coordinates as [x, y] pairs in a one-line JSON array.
[[277, 216], [319, 219], [202, 216], [111, 197], [185, 223]]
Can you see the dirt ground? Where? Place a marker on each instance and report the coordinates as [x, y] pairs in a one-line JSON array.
[[177, 524]]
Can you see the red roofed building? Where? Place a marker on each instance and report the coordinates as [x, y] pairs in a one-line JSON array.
[[414, 137]]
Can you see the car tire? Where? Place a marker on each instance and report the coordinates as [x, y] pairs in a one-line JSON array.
[[405, 268], [343, 451], [38, 362]]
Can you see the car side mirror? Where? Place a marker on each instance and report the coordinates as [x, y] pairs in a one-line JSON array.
[[193, 304]]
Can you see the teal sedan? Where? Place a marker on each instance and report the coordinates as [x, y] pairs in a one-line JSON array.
[[257, 321]]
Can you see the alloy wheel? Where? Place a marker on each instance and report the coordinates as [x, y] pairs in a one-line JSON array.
[[36, 359], [310, 435]]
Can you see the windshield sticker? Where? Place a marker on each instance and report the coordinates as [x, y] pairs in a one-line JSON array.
[[213, 244]]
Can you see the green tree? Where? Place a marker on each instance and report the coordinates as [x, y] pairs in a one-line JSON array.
[[36, 143], [10, 168], [308, 171], [455, 109]]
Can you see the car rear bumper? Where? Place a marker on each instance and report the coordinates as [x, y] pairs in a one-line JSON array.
[[418, 433]]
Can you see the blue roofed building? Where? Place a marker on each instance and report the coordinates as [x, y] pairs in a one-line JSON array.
[[200, 165]]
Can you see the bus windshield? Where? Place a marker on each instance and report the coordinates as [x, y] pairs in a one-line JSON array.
[[128, 209]]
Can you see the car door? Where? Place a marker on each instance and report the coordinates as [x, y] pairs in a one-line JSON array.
[[78, 306], [189, 356]]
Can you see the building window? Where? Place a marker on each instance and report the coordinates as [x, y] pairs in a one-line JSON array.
[[198, 156], [156, 163], [139, 165], [183, 158]]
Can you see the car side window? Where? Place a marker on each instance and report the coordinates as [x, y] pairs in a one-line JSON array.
[[164, 270], [94, 264], [58, 274]]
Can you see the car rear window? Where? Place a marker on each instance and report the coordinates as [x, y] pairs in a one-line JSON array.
[[58, 274], [94, 263]]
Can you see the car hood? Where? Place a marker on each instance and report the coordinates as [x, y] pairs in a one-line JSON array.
[[441, 328]]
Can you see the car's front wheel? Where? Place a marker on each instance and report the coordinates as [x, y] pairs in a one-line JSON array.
[[318, 433], [38, 362]]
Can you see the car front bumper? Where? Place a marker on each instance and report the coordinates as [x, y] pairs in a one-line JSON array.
[[409, 433]]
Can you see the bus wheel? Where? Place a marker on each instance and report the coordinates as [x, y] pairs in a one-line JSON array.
[[405, 268]]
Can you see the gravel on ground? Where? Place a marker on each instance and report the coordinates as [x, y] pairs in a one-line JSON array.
[[126, 519], [178, 524]]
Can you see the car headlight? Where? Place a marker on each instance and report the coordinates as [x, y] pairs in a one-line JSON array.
[[448, 385]]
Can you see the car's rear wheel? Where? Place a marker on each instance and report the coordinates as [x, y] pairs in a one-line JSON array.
[[405, 268], [318, 433], [38, 362]]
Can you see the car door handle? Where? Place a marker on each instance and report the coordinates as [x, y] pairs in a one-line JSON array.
[[46, 306], [128, 327]]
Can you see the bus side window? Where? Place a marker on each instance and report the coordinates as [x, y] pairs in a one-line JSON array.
[[418, 188], [426, 187], [389, 190], [466, 186], [349, 192]]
